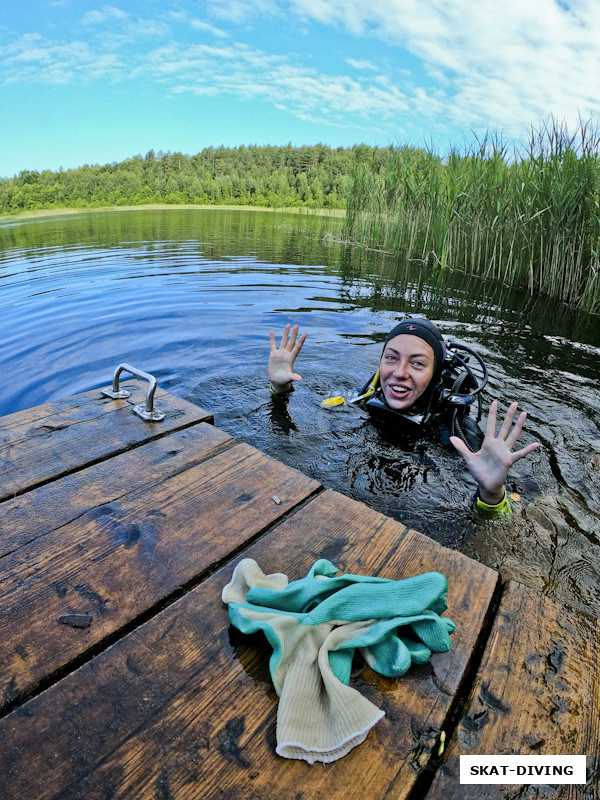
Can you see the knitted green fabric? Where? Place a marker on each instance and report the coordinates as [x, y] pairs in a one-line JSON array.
[[352, 597], [315, 625]]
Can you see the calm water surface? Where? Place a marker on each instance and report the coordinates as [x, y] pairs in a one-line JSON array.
[[190, 296]]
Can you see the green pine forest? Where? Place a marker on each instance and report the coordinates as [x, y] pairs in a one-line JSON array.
[[529, 218], [314, 177]]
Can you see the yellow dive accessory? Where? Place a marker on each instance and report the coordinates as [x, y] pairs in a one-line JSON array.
[[338, 400], [330, 402]]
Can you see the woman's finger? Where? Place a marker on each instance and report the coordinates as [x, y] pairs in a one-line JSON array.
[[292, 340], [508, 419], [461, 447], [284, 336], [511, 439], [490, 426], [525, 451], [298, 346]]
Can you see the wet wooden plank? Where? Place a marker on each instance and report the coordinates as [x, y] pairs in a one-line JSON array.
[[183, 706], [116, 561], [42, 510], [46, 442], [537, 693]]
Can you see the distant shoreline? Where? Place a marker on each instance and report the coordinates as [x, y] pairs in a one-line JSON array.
[[55, 212]]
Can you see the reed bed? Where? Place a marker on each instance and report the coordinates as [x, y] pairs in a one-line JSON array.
[[529, 218]]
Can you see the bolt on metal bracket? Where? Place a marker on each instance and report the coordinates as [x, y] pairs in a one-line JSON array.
[[147, 411]]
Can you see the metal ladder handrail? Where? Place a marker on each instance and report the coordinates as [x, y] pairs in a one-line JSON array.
[[147, 412]]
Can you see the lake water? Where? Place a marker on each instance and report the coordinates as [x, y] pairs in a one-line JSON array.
[[190, 295]]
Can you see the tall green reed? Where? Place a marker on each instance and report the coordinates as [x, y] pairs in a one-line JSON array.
[[529, 218]]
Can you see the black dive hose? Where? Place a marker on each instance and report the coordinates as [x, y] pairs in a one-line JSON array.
[[458, 431], [455, 425], [478, 386]]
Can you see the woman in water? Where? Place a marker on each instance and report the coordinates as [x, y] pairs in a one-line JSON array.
[[408, 384]]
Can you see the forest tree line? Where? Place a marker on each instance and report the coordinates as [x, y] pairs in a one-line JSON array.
[[314, 176], [529, 219]]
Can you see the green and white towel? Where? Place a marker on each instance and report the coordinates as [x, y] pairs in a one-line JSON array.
[[315, 625]]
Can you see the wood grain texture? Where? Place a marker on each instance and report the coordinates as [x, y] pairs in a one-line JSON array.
[[42, 510], [183, 706], [537, 693], [43, 443], [119, 559]]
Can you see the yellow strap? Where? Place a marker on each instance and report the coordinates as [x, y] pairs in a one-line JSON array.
[[503, 507], [372, 388]]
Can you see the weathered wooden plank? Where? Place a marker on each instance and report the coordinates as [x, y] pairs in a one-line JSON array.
[[44, 419], [42, 510], [183, 706], [41, 444], [537, 693], [118, 560]]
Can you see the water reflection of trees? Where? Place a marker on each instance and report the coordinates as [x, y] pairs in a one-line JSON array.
[[214, 234], [382, 282]]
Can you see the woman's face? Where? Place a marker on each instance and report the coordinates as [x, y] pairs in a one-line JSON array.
[[405, 370]]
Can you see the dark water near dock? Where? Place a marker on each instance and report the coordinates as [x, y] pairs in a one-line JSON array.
[[190, 295]]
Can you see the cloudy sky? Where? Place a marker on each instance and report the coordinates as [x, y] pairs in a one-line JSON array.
[[86, 82]]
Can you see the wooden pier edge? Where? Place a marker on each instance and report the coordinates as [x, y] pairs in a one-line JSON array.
[[536, 692], [121, 678]]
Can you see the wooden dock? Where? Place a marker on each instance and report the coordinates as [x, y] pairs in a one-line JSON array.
[[121, 677]]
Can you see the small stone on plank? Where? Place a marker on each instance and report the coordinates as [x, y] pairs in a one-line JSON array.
[[76, 620]]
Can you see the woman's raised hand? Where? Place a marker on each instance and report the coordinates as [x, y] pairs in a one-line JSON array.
[[281, 359], [490, 465]]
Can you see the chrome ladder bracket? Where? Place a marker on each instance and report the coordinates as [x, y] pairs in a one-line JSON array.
[[146, 411]]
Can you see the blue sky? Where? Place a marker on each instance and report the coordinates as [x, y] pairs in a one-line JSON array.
[[87, 82]]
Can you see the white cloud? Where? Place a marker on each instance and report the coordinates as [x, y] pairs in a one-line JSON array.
[[188, 20], [116, 27], [249, 74], [33, 59], [105, 14], [502, 64], [360, 64], [240, 11], [484, 64], [200, 25]]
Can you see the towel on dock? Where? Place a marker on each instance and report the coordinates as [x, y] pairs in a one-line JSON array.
[[314, 626]]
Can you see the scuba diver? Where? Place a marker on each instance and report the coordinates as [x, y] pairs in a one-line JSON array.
[[425, 381]]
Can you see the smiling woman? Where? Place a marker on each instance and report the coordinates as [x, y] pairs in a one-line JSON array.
[[413, 354], [409, 381], [405, 372]]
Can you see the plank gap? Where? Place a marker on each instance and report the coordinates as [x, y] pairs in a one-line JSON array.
[[425, 778]]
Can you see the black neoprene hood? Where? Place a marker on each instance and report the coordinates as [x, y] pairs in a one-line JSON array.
[[425, 330]]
